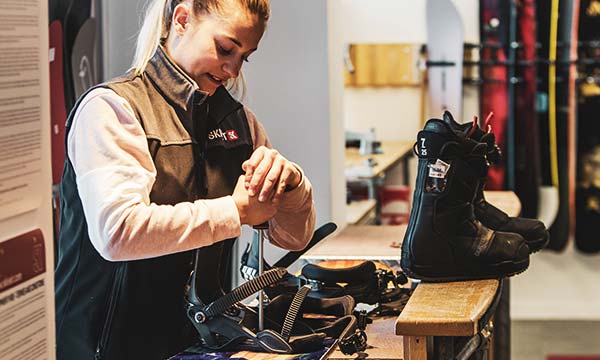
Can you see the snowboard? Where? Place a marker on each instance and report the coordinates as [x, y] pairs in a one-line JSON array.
[[588, 132], [81, 49], [494, 88], [563, 147], [527, 153], [445, 38], [548, 202]]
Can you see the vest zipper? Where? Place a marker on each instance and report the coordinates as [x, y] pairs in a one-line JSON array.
[[112, 305]]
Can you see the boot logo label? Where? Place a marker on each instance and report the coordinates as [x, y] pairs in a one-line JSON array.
[[439, 169], [423, 148]]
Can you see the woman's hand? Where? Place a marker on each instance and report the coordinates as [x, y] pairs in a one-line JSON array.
[[252, 212], [269, 174]]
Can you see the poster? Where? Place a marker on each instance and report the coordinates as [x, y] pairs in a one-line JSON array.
[[23, 297], [21, 38], [26, 232]]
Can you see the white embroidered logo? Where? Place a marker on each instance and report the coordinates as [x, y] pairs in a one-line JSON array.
[[227, 135]]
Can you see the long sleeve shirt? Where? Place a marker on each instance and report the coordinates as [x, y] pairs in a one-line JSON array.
[[115, 173]]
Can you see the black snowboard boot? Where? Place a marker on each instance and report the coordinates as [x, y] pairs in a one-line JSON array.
[[532, 230], [444, 241]]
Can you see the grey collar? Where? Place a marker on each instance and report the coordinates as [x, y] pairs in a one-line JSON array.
[[177, 86]]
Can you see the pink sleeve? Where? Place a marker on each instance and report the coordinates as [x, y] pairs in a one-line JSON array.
[[115, 173], [293, 225]]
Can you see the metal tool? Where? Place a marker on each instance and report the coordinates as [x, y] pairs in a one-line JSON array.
[[261, 231]]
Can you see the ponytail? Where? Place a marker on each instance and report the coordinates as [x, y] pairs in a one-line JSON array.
[[153, 31]]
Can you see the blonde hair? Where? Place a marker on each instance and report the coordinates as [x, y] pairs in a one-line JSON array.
[[157, 23]]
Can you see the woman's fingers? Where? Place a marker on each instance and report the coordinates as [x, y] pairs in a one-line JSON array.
[[272, 178], [286, 176], [268, 173], [250, 165], [257, 167]]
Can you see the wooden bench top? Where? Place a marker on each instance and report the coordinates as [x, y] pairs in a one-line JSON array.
[[447, 309], [360, 242]]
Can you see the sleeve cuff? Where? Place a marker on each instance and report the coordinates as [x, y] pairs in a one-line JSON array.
[[224, 218]]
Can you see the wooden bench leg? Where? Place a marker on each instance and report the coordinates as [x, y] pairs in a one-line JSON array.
[[415, 348]]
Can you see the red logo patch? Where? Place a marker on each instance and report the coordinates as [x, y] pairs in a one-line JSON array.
[[231, 135]]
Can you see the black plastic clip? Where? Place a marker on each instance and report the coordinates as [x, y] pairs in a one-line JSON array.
[[354, 343]]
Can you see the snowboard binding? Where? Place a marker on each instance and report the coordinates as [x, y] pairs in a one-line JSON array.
[[227, 324], [220, 323], [364, 283]]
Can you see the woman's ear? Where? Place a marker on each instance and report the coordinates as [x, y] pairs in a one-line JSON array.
[[181, 17]]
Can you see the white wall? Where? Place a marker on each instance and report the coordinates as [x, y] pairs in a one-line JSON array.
[[288, 89], [121, 21]]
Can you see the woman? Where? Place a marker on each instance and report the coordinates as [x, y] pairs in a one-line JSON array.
[[161, 162]]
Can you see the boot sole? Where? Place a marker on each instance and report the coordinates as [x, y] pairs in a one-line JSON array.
[[495, 271]]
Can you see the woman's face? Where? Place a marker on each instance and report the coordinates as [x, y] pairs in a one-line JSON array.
[[211, 48]]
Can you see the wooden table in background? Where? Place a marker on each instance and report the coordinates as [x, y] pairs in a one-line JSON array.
[[393, 151], [358, 211]]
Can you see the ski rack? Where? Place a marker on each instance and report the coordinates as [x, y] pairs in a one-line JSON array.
[[511, 47]]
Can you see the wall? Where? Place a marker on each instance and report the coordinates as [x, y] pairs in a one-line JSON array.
[[288, 89], [121, 21]]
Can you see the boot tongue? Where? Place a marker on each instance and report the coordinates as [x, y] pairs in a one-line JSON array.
[[461, 129], [449, 119], [441, 128]]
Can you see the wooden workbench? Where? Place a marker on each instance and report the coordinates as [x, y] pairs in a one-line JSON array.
[[360, 242]]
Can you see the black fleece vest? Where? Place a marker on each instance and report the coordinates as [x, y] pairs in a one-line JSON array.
[[135, 309]]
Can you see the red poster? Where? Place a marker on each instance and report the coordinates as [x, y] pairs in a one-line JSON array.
[[21, 259], [23, 298]]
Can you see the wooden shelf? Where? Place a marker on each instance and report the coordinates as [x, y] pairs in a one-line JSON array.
[[358, 211]]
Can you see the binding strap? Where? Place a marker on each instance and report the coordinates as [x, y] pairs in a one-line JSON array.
[[292, 314], [238, 294]]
